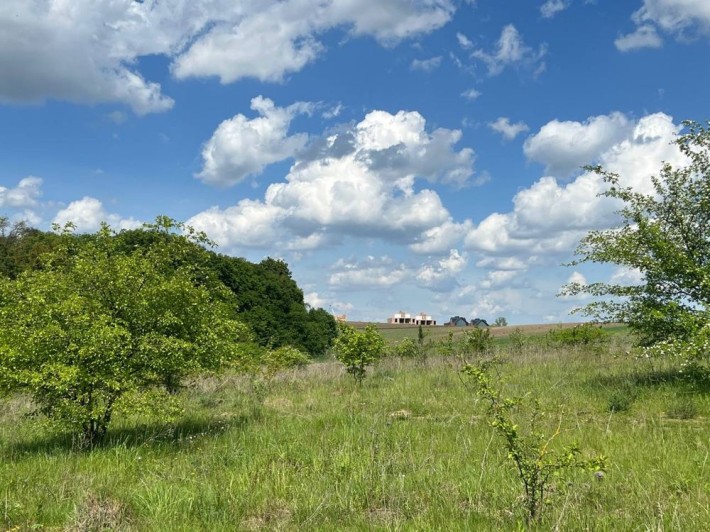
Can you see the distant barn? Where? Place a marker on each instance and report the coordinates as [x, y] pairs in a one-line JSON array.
[[478, 322]]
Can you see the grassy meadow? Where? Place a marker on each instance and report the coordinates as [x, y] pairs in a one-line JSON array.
[[410, 449]]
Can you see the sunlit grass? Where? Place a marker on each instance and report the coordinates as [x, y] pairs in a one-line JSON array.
[[409, 449]]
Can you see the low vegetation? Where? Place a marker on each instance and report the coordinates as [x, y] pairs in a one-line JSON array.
[[412, 447]]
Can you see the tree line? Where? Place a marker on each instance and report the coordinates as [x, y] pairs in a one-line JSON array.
[[266, 297]]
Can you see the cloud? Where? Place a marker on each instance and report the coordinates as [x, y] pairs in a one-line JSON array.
[[471, 94], [426, 65], [499, 278], [87, 51], [373, 272], [464, 41], [88, 213], [511, 51], [81, 51], [281, 37], [316, 300], [441, 238], [502, 263], [509, 131], [549, 218], [678, 17], [564, 147], [625, 276], [645, 36], [358, 181], [25, 194], [551, 7], [241, 147], [333, 112], [441, 275], [683, 19]]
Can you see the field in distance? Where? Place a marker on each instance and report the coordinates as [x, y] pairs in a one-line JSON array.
[[395, 332]]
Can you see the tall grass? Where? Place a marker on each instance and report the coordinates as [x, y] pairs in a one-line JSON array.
[[410, 449]]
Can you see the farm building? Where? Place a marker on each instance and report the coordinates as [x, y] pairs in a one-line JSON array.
[[478, 322]]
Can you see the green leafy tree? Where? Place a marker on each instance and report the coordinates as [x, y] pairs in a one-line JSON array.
[[358, 349], [500, 322], [272, 304], [665, 236], [95, 323]]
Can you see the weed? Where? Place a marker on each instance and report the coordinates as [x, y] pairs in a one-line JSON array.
[[622, 398], [684, 407]]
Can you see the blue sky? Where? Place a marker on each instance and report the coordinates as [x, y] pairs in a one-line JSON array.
[[416, 155]]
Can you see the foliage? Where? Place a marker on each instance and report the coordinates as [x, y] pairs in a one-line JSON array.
[[500, 322], [282, 358], [409, 348], [622, 398], [271, 303], [95, 323], [264, 294], [536, 462], [476, 341], [517, 340], [584, 334], [404, 454], [693, 354], [358, 349], [663, 236], [21, 246]]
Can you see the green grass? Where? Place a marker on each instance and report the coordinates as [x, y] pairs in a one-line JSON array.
[[408, 450]]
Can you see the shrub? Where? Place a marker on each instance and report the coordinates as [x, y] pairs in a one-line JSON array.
[[358, 349], [96, 323], [529, 448], [585, 334], [281, 358]]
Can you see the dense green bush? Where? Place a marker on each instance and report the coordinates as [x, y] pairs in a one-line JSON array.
[[358, 349], [94, 324], [585, 334]]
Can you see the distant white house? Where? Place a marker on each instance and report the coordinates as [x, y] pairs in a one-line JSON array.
[[400, 317], [405, 318]]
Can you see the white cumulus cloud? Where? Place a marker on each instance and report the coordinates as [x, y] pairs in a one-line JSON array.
[[242, 147], [87, 51], [25, 194], [442, 273], [373, 272], [564, 146], [675, 16], [426, 65], [550, 217], [359, 181], [88, 213]]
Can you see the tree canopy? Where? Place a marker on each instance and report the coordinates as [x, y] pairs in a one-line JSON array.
[[266, 297], [94, 323], [664, 236]]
